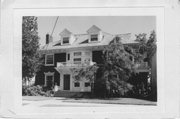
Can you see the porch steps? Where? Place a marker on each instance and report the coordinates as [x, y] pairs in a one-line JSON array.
[[69, 94]]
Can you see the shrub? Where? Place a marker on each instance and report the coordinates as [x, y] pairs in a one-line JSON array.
[[36, 91]]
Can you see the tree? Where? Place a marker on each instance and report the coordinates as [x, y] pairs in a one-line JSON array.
[[147, 46], [151, 47], [147, 49], [30, 46], [117, 68]]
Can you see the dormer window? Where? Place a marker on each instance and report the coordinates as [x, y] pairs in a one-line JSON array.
[[65, 40], [94, 37]]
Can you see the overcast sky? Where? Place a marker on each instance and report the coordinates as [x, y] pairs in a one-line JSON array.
[[110, 24]]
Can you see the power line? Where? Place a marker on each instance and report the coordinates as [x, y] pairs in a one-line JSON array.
[[54, 25], [52, 31]]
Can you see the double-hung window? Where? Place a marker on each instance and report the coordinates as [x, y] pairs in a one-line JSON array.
[[94, 37], [77, 57], [49, 60], [77, 60], [65, 40], [76, 54]]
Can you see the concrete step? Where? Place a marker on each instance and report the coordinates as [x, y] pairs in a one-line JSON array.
[[68, 94]]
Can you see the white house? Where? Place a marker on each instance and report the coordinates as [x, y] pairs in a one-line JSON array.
[[74, 51]]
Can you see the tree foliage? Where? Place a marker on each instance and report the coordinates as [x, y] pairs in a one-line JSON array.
[[147, 45], [147, 48], [88, 73], [30, 47], [117, 68], [119, 65], [85, 72]]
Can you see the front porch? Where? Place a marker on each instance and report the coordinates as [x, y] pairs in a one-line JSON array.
[[69, 84]]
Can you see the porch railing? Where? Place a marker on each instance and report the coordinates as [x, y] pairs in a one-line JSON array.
[[143, 65], [79, 64]]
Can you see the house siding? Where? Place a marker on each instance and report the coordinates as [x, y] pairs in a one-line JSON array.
[[40, 76], [95, 56]]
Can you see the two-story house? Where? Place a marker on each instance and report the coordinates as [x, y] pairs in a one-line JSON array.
[[74, 51]]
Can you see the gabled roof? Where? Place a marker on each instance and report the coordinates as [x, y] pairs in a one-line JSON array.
[[93, 29], [65, 32], [82, 40]]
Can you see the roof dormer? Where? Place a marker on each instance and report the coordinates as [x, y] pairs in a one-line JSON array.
[[65, 32], [66, 37], [95, 34], [93, 29]]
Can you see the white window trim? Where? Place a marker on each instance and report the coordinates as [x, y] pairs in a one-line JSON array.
[[48, 74], [46, 60]]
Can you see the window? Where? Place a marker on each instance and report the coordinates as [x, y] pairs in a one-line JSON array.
[[87, 84], [65, 40], [94, 37], [49, 79], [68, 56], [49, 59], [77, 60], [76, 84], [77, 53]]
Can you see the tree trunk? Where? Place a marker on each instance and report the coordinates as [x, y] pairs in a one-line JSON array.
[[92, 89]]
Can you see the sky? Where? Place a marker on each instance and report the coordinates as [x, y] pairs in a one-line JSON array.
[[109, 24]]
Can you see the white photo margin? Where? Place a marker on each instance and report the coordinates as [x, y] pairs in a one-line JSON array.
[[158, 12], [167, 105]]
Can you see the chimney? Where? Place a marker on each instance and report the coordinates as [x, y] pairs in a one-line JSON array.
[[48, 38]]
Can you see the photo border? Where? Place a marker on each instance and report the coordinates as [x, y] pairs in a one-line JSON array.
[[161, 110]]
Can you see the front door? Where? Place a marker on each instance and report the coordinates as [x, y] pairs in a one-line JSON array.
[[66, 82], [49, 81]]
